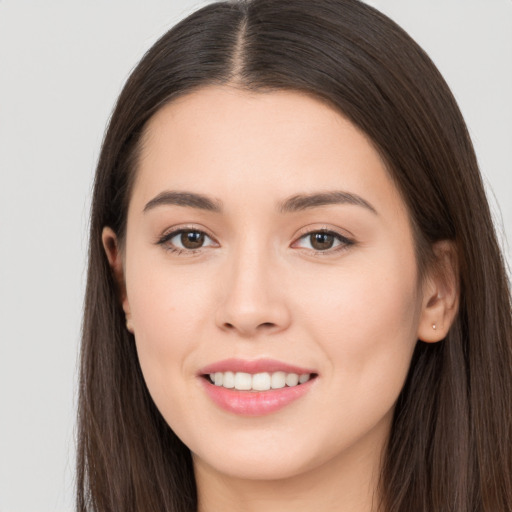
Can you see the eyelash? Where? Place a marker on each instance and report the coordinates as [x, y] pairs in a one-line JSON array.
[[344, 242], [166, 238]]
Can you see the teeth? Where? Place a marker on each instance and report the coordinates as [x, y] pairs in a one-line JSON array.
[[303, 378], [228, 381], [278, 380], [292, 379], [259, 381], [243, 381]]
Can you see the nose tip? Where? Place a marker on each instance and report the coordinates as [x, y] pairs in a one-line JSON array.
[[253, 302], [254, 317]]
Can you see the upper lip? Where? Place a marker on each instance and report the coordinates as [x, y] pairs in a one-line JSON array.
[[253, 366]]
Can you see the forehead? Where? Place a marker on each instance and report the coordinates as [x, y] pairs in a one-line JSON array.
[[244, 119], [221, 139]]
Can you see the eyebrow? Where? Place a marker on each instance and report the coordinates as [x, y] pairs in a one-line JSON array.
[[188, 199], [294, 203], [301, 202]]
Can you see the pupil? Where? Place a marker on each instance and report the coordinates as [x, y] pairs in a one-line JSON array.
[[192, 239], [322, 241]]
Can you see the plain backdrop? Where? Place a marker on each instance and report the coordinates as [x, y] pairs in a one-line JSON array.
[[62, 65]]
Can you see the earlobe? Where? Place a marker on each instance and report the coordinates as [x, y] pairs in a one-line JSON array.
[[440, 294], [114, 256]]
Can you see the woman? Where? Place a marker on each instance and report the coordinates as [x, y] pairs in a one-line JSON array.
[[295, 297]]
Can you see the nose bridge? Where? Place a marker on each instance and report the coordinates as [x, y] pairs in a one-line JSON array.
[[250, 261], [252, 299]]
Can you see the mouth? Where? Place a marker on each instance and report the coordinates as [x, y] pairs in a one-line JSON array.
[[262, 381], [255, 388]]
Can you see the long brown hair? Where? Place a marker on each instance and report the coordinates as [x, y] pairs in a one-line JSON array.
[[450, 446]]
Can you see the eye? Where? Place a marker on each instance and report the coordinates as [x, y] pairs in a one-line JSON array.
[[322, 241], [186, 240]]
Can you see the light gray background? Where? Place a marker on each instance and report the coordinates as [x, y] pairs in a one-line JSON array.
[[62, 65]]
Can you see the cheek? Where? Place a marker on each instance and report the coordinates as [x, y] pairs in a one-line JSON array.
[[365, 320], [167, 302], [170, 308]]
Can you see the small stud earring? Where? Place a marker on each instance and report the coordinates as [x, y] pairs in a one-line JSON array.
[[434, 326]]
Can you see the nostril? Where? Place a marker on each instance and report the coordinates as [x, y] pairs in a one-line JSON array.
[[263, 326]]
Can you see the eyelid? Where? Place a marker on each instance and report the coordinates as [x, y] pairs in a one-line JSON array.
[[345, 241], [173, 231], [324, 228]]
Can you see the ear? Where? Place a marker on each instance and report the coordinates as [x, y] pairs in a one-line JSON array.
[[115, 259], [440, 293]]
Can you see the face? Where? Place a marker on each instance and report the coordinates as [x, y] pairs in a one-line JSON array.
[[268, 249]]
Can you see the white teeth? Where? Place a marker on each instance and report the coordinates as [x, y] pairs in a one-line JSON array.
[[261, 381], [228, 380], [278, 380], [264, 381], [292, 379], [304, 378], [243, 381]]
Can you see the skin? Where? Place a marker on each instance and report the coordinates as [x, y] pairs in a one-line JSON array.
[[258, 288]]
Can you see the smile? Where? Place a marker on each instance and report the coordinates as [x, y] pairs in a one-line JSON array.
[[264, 381], [255, 388]]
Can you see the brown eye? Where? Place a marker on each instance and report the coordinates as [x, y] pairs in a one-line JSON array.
[[184, 240], [192, 239], [321, 241]]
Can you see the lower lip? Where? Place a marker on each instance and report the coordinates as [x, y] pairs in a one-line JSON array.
[[255, 403]]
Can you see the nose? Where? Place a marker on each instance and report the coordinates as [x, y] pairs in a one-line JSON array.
[[253, 298]]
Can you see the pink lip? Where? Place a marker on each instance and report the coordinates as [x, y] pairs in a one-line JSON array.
[[253, 403], [256, 366]]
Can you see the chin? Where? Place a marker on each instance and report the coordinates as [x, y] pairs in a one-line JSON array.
[[256, 466]]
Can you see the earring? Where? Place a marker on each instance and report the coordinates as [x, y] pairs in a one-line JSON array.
[[434, 326]]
